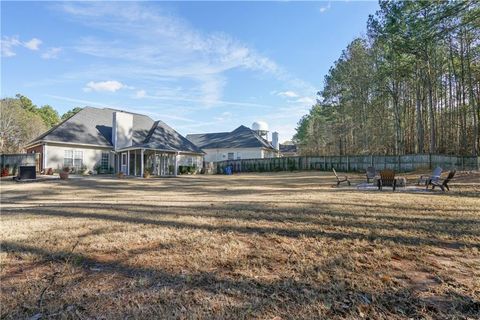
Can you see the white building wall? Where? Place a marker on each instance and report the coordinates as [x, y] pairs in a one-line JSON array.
[[214, 155], [91, 156]]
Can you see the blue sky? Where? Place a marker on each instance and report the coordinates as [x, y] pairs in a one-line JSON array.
[[199, 66]]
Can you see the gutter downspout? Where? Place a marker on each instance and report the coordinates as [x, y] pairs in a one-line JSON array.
[[44, 157]]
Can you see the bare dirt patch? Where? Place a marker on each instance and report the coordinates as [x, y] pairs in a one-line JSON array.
[[283, 246]]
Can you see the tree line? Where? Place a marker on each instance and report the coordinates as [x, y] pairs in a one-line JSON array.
[[411, 85], [21, 121]]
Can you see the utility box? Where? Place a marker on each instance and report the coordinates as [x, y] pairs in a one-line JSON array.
[[27, 172]]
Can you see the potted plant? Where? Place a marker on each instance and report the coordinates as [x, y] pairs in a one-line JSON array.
[[96, 169], [49, 171], [5, 171], [146, 173], [120, 175], [64, 173]]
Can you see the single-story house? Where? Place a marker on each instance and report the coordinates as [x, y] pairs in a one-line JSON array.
[[241, 143], [288, 150], [109, 140]]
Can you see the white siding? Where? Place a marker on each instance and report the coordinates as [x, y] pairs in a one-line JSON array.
[[91, 156], [214, 155]]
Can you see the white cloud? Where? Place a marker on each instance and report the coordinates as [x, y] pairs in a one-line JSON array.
[[179, 52], [79, 101], [33, 44], [51, 53], [293, 97], [140, 94], [287, 94], [8, 43], [323, 9], [306, 100], [109, 86], [225, 116]]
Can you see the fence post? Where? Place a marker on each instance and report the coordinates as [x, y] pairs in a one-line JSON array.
[[348, 164]]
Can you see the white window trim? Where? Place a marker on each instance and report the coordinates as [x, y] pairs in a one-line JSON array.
[[108, 159], [73, 156]]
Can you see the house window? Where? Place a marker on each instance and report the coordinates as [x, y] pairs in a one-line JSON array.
[[231, 156], [105, 162], [239, 156], [78, 159], [68, 158], [73, 159]]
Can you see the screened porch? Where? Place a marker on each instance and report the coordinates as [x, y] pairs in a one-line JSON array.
[[137, 161]]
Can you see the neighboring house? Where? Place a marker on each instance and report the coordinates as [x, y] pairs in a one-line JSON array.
[[112, 140], [241, 143], [288, 150]]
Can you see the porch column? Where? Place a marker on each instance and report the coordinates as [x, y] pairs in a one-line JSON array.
[[141, 162], [119, 162], [155, 171], [128, 162], [175, 170], [135, 164]]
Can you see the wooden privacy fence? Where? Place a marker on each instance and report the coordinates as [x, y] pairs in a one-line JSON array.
[[352, 163], [14, 161]]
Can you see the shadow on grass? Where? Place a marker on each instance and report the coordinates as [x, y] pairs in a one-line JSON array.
[[331, 296], [316, 225]]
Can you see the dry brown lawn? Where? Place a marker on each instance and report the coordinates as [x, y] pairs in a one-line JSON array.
[[261, 246]]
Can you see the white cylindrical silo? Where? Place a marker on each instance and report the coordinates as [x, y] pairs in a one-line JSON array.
[[275, 141]]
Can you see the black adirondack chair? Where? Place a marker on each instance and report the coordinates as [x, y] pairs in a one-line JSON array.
[[443, 184]]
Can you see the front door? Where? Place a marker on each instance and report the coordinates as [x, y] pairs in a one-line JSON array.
[[123, 163]]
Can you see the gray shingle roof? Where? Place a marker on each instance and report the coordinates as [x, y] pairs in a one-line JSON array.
[[163, 137], [288, 148], [94, 126], [242, 137]]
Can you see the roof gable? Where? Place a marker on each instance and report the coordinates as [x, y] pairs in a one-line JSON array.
[[93, 126], [241, 137], [88, 126], [163, 137]]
